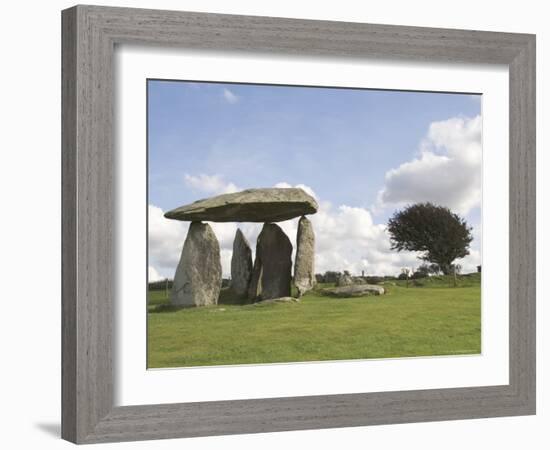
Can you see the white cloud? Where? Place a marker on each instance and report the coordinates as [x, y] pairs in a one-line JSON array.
[[210, 184], [447, 171], [166, 238], [165, 241], [229, 96], [347, 238], [153, 275], [307, 189], [470, 262]]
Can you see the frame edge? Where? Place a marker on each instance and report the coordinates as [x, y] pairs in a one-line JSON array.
[[68, 224], [522, 284], [88, 37]]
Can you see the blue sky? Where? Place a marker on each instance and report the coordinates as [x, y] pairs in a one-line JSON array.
[[208, 138]]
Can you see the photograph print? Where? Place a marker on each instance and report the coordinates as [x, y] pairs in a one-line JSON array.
[[298, 223]]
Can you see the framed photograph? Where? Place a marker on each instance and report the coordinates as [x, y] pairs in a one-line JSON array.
[[279, 224]]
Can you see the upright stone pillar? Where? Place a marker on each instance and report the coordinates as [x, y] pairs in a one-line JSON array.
[[241, 265], [304, 267], [198, 276], [271, 276]]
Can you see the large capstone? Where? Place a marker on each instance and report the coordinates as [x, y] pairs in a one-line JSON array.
[[271, 275], [251, 205], [198, 277], [241, 265], [304, 267]]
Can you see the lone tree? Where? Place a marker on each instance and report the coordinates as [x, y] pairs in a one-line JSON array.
[[442, 235]]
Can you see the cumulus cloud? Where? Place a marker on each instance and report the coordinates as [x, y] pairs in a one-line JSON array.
[[229, 96], [166, 238], [307, 189], [153, 275], [446, 172], [209, 184], [165, 241], [347, 238]]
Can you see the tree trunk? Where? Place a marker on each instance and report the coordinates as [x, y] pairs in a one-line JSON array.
[[445, 268]]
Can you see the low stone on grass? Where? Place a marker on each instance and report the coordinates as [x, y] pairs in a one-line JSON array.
[[278, 300], [355, 290]]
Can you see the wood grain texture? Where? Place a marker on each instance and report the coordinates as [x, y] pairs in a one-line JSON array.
[[89, 36], [88, 262], [68, 226], [523, 224]]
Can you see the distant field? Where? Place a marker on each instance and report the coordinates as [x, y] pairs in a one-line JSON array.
[[433, 319]]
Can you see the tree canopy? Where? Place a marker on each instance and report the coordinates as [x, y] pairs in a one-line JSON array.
[[440, 234]]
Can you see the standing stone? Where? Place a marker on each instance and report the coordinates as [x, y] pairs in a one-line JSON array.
[[271, 276], [241, 265], [198, 277], [304, 268]]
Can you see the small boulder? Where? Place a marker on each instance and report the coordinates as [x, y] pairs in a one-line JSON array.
[[344, 280], [359, 280], [278, 300], [355, 290]]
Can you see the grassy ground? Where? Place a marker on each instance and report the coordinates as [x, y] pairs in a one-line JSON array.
[[432, 319]]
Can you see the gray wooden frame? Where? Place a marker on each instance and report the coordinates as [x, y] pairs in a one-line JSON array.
[[89, 36]]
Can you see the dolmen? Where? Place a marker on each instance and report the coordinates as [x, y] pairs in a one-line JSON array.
[[198, 277]]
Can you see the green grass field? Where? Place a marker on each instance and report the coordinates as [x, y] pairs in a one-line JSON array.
[[429, 318]]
